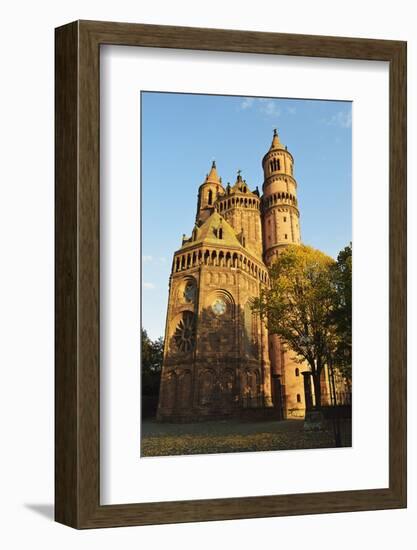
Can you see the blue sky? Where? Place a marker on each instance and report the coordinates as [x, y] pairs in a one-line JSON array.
[[183, 133]]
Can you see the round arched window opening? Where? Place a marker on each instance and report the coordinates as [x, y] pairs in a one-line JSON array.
[[189, 292]]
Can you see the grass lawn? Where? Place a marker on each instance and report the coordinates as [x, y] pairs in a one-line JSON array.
[[236, 436]]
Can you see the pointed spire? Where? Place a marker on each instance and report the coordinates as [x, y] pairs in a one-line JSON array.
[[276, 142], [213, 176]]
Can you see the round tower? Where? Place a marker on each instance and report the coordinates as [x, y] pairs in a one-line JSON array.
[[281, 227], [208, 193], [280, 214]]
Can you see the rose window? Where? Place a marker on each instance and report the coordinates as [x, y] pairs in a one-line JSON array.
[[184, 335]]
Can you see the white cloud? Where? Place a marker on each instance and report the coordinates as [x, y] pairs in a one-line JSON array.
[[343, 119], [270, 108], [264, 105], [152, 260], [148, 286], [247, 103]]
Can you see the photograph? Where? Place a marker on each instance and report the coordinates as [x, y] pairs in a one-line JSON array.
[[246, 273], [209, 265]]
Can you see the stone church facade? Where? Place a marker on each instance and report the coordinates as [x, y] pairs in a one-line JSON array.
[[219, 360]]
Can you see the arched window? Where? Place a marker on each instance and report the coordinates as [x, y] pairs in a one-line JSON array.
[[210, 197], [297, 372], [220, 233], [298, 398]]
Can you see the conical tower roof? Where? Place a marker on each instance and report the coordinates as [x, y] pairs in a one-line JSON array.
[[276, 142], [213, 176]]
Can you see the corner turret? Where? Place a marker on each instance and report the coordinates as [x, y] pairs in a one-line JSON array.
[[208, 193]]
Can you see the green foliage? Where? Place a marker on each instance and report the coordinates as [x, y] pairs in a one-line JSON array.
[[308, 305], [342, 273], [152, 355]]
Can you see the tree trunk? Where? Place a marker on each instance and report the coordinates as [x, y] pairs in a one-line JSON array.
[[317, 387]]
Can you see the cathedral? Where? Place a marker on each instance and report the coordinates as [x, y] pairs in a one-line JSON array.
[[219, 360]]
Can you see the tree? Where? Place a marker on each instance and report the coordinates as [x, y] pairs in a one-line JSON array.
[[299, 306], [152, 355], [342, 274]]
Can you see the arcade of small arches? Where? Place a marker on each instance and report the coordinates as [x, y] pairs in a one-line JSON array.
[[232, 202], [287, 198], [219, 259]]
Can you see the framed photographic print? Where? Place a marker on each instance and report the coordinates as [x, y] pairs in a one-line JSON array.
[[230, 274]]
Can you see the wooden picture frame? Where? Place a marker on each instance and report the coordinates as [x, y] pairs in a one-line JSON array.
[[77, 405]]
